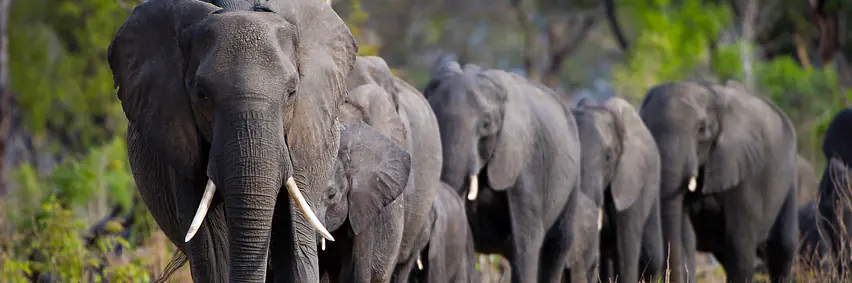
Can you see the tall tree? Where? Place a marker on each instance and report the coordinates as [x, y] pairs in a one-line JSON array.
[[5, 89]]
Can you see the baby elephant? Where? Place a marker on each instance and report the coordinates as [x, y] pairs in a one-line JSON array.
[[449, 256], [363, 207]]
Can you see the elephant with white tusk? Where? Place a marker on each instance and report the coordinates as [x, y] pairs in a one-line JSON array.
[[511, 148], [228, 105], [728, 177]]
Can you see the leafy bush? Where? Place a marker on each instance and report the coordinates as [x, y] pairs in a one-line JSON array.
[[673, 41]]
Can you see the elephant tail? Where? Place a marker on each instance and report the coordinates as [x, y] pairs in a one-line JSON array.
[[178, 260]]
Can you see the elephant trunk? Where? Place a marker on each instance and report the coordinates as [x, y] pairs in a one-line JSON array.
[[249, 162], [679, 166], [251, 184], [460, 166], [672, 215]]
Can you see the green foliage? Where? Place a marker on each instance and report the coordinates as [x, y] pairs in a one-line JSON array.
[[673, 40], [60, 72], [356, 20], [104, 171], [52, 245]]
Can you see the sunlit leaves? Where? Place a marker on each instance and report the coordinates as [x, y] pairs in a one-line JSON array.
[[672, 40]]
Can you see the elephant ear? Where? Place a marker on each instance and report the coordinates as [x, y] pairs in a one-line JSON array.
[[379, 171], [510, 153], [638, 169], [150, 80], [375, 109], [736, 153]]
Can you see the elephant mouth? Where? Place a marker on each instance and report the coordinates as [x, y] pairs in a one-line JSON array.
[[293, 191]]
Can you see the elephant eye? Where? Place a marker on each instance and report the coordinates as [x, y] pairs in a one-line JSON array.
[[332, 195]]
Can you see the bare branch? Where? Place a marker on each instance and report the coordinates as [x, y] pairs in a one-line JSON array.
[[565, 38], [612, 18], [530, 37]]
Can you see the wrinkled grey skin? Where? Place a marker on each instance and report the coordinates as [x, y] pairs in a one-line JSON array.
[[422, 140], [522, 144], [835, 202], [371, 171], [742, 150], [247, 98], [621, 171], [584, 256], [449, 256]]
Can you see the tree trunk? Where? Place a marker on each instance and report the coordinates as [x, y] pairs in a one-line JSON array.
[[5, 88], [522, 11], [617, 32]]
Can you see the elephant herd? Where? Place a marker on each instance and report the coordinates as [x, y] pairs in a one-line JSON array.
[[267, 151]]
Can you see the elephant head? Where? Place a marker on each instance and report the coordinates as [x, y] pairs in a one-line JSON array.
[[622, 149], [698, 129], [470, 105], [371, 172], [247, 96]]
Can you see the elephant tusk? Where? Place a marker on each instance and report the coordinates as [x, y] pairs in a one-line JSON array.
[[305, 209], [600, 219], [692, 184], [474, 187], [419, 263], [206, 198], [322, 243]]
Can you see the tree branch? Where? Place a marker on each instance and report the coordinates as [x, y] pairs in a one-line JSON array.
[[612, 18], [530, 37], [560, 48]]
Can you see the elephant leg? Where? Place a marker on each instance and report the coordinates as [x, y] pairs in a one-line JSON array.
[[781, 246], [653, 257], [554, 252], [605, 268], [403, 270], [200, 249], [628, 228], [527, 235], [740, 245], [172, 201]]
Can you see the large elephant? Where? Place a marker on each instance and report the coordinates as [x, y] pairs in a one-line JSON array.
[[422, 139], [523, 141], [621, 171], [449, 256], [371, 172], [835, 201], [225, 107], [728, 164]]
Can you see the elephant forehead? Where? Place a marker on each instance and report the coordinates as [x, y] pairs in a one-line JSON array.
[[247, 37]]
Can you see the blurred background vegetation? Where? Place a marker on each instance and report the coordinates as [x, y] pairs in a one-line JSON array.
[[68, 206]]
